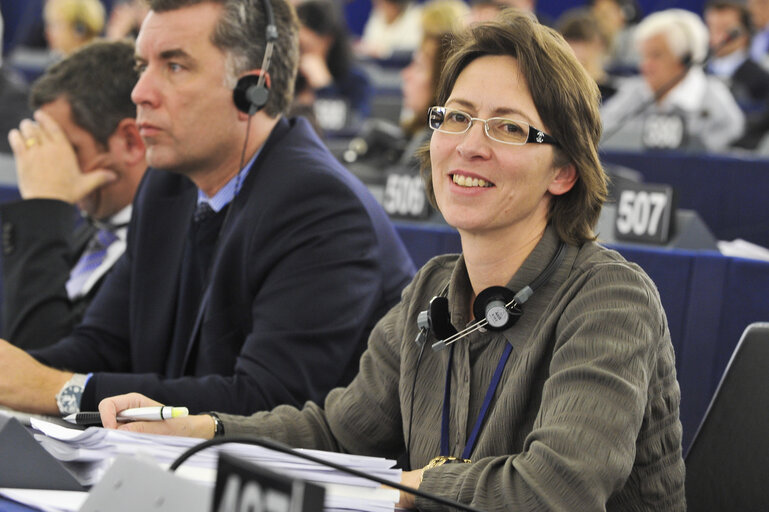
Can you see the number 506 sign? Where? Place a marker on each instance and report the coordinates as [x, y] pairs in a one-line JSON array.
[[644, 213]]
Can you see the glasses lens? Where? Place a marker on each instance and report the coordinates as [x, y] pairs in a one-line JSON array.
[[456, 121], [435, 117], [507, 130]]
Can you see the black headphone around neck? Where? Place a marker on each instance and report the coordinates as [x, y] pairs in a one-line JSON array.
[[252, 91], [496, 308]]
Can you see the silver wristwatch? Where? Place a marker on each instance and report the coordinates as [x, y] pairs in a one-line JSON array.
[[68, 398]]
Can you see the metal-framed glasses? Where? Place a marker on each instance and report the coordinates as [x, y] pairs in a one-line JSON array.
[[500, 129]]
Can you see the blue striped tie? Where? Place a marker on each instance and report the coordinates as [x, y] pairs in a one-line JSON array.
[[90, 260]]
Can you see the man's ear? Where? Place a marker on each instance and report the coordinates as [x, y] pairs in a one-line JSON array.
[[564, 179], [130, 143]]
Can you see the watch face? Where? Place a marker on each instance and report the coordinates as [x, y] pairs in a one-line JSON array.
[[68, 399]]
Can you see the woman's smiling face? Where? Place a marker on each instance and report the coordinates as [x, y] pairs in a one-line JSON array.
[[482, 185]]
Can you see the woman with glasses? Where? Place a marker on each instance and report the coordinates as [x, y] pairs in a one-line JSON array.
[[542, 376]]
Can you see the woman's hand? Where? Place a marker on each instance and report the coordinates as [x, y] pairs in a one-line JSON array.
[[201, 425], [411, 479]]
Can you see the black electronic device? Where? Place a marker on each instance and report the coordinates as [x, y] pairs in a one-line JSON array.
[[241, 485], [279, 447], [728, 459], [496, 308], [687, 231], [27, 465], [252, 90], [645, 213]]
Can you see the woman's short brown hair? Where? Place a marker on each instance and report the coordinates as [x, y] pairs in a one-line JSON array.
[[566, 98]]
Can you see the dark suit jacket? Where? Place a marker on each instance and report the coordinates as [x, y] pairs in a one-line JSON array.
[[306, 263], [750, 87], [40, 246]]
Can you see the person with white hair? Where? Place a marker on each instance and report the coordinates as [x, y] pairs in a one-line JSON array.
[[673, 104]]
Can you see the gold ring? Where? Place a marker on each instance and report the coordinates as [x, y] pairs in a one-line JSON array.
[[30, 142]]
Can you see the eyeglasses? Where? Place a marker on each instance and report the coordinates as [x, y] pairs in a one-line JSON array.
[[502, 130]]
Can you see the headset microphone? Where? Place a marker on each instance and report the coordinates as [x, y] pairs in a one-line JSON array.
[[496, 308], [253, 90]]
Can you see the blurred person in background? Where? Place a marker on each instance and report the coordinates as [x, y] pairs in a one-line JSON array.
[[441, 19], [126, 18], [487, 10], [673, 104], [389, 145], [759, 45], [392, 29], [729, 26], [70, 24], [618, 18], [590, 43], [331, 86]]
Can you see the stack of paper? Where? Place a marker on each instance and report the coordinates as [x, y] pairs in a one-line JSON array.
[[88, 454]]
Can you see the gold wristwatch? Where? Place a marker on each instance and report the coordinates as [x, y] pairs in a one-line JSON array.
[[443, 459]]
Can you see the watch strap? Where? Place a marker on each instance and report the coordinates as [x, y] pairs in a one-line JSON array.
[[218, 425]]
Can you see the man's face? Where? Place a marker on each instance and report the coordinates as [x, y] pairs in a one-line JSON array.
[[185, 112], [92, 155], [721, 22]]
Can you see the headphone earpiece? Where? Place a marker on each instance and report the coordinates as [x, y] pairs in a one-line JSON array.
[[491, 304], [253, 90], [496, 308], [249, 96], [80, 28], [439, 318]]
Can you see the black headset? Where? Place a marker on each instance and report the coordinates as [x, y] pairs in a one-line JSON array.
[[495, 309], [252, 91]]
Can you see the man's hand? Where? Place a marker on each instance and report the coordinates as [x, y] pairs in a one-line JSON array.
[[190, 426], [27, 385], [314, 69], [46, 164]]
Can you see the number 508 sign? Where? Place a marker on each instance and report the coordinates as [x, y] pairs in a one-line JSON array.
[[644, 213]]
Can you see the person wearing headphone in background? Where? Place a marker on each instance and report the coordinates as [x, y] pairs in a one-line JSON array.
[[70, 24], [382, 146], [575, 406], [256, 264], [729, 26], [673, 104], [89, 155], [591, 45]]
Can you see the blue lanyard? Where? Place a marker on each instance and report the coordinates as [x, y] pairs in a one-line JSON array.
[[484, 408]]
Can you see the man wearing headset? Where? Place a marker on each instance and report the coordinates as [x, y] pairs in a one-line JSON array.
[[256, 265]]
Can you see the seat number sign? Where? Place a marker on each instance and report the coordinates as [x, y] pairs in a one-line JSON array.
[[404, 196], [644, 213]]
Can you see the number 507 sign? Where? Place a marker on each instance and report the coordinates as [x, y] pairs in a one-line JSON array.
[[645, 213]]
